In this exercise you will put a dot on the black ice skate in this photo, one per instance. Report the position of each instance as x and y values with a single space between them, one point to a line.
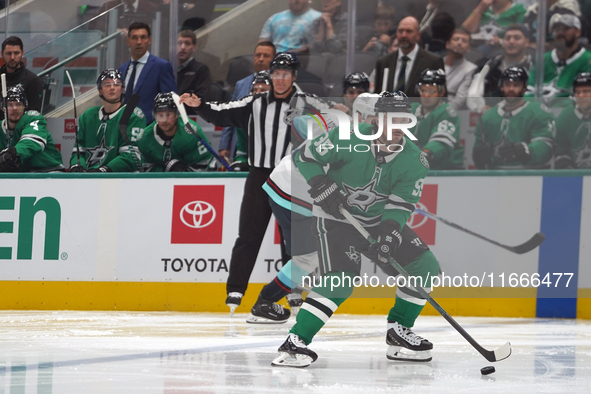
267 312
294 353
405 345
233 301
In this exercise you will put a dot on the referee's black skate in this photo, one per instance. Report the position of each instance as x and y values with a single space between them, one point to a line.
267 312
405 345
294 353
233 301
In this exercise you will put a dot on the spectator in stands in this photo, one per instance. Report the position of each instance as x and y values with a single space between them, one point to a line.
288 30
101 146
565 61
516 133
17 73
442 27
515 44
573 127
438 124
490 18
453 8
384 28
555 7
458 70
25 142
328 33
191 74
405 66
264 52
131 11
145 74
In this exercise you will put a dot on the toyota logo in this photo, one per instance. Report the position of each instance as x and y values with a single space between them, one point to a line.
416 219
197 214
70 125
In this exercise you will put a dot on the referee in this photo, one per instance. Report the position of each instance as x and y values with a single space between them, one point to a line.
268 141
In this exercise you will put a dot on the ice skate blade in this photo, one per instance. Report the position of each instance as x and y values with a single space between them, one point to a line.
252 319
396 353
232 308
294 361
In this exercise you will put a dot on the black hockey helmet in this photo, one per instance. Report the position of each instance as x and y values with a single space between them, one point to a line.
393 102
356 80
285 61
432 77
262 77
164 102
17 93
113 74
514 73
582 79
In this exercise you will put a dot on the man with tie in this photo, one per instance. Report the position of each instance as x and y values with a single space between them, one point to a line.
401 69
145 74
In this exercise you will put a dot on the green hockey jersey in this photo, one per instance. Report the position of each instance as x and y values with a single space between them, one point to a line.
183 147
378 187
558 79
573 136
530 123
241 146
101 142
439 132
33 144
494 25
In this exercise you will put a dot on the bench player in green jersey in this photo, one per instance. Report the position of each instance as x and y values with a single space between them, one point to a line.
379 183
515 133
167 147
25 142
573 127
102 146
438 124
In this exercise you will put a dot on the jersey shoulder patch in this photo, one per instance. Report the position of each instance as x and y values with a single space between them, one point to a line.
451 111
424 160
138 112
33 113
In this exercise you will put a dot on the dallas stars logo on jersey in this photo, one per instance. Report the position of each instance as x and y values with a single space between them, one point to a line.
365 196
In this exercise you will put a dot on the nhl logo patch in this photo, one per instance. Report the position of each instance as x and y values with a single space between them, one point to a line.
424 160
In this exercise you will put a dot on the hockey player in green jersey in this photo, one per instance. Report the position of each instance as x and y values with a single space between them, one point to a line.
573 128
438 124
25 141
101 147
516 133
565 61
165 145
378 181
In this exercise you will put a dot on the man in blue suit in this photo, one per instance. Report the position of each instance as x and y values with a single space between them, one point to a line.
145 74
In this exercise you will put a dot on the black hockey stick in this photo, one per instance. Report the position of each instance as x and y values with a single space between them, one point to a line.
189 129
75 118
525 247
491 355
124 121
5 109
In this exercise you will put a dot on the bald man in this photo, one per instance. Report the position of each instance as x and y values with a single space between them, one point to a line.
406 64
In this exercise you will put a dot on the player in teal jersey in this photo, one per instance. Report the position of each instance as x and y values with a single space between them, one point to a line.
25 141
101 145
573 128
167 147
516 133
438 124
379 183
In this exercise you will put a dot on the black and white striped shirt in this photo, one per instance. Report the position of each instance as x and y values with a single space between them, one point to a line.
262 116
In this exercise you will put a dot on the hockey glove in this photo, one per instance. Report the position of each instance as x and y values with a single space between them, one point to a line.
328 195
563 162
482 155
239 166
100 169
515 152
9 160
77 168
389 239
175 165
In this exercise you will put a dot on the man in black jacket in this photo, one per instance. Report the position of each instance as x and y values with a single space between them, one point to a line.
191 74
17 73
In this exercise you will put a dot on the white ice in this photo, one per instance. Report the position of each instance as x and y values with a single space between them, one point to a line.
133 352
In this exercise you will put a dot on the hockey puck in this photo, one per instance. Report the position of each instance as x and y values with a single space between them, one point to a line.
487 370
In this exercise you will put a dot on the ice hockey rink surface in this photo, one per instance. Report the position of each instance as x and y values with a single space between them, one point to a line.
167 352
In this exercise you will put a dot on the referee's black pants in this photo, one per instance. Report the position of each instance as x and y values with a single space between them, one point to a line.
255 213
